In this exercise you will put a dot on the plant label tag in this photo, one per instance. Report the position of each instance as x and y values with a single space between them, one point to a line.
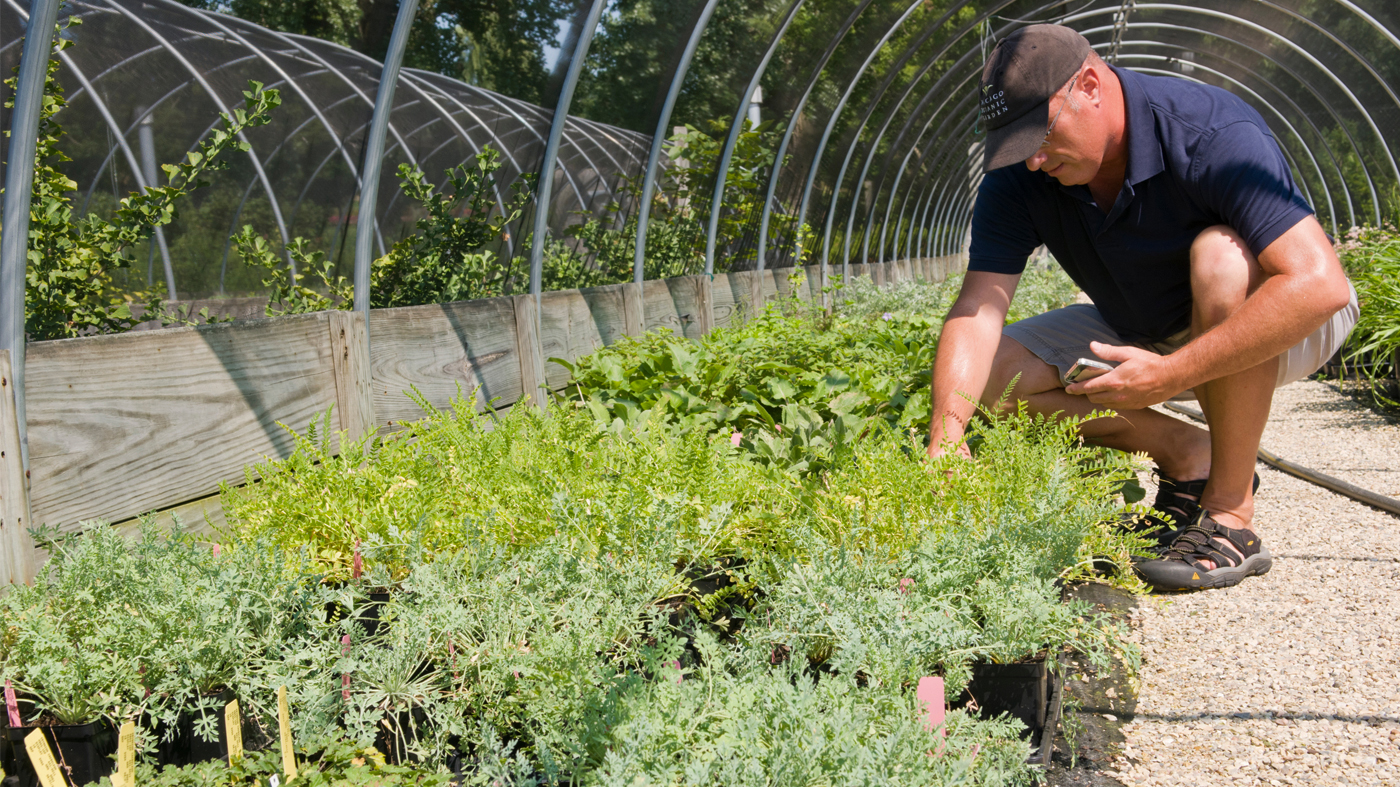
284 722
12 705
930 693
126 756
233 725
41 757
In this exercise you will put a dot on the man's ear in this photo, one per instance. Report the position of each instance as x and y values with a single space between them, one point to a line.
1090 84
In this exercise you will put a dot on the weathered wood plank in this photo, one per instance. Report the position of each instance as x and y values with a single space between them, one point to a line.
350 359
574 323
203 517
529 350
124 424
705 296
632 309
18 561
441 349
673 303
735 299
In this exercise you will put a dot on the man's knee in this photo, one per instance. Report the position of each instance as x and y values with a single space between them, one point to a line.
1223 273
1014 362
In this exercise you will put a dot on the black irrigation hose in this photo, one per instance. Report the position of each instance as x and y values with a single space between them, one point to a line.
1337 485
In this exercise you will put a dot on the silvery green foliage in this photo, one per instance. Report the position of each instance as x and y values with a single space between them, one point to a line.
735 722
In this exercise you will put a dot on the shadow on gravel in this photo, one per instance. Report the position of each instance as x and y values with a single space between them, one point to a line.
1104 705
1338 557
1271 716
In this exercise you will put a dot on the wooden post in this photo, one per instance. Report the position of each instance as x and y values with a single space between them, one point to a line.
756 291
527 347
17 558
350 358
633 313
877 272
705 288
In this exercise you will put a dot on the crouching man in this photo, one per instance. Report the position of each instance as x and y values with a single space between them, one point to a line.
1170 204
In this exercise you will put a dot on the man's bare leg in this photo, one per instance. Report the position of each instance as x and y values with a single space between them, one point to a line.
1223 274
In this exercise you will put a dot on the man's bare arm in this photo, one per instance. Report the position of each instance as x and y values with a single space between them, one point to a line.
965 352
1305 286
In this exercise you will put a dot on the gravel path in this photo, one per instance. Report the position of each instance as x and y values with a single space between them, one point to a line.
1294 677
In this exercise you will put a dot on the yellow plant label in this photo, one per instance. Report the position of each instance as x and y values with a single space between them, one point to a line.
41 757
126 756
284 721
233 725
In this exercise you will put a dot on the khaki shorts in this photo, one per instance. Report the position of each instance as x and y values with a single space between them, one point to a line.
1062 336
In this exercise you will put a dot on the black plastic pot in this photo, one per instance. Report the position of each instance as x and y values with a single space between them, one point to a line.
84 753
366 611
1023 689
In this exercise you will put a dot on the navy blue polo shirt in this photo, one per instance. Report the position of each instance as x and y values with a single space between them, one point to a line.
1197 156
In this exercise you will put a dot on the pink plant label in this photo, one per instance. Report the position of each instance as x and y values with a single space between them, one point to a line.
930 693
12 705
345 676
217 549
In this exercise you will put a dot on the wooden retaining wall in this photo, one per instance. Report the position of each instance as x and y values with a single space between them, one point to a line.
155 421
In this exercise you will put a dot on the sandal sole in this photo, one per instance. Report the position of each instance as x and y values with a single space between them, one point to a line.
1256 565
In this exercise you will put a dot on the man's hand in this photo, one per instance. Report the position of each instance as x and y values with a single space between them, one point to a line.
1141 380
960 449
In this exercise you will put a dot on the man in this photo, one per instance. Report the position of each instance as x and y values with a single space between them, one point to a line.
1170 204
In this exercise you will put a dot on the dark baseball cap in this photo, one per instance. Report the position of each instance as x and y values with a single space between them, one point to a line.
1024 71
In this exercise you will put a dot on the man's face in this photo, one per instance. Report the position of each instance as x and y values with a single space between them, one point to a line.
1073 151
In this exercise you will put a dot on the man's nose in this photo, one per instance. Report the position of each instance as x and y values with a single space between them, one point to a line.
1037 160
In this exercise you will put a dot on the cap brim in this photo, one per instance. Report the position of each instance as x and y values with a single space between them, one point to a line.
1018 140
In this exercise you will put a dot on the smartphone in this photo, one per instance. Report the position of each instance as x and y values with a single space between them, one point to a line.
1085 369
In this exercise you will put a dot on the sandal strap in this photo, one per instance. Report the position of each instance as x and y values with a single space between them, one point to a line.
1197 542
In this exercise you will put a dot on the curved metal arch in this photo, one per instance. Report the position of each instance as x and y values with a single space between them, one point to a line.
736 127
945 159
889 205
792 125
131 162
277 68
1395 169
815 164
942 84
923 71
551 149
914 115
659 138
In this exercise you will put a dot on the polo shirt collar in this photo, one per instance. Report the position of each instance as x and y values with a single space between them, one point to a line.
1144 149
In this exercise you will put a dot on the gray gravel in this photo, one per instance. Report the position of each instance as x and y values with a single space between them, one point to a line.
1294 677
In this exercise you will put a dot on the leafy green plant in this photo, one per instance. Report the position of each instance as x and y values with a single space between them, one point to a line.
1371 257
69 287
450 257
289 293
